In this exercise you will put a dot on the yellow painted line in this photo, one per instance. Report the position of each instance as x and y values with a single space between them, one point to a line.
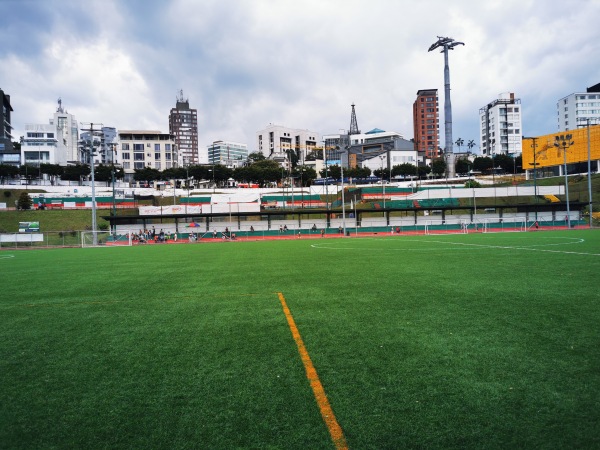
337 435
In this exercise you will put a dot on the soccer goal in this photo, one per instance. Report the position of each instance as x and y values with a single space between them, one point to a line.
104 239
439 227
505 225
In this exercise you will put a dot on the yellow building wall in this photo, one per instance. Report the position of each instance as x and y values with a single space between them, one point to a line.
547 155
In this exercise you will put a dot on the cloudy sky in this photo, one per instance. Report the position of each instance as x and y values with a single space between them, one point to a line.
299 63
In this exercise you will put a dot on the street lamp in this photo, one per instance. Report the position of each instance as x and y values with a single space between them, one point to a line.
88 147
564 142
382 181
534 139
589 161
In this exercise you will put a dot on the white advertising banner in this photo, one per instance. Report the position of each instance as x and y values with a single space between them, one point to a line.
169 209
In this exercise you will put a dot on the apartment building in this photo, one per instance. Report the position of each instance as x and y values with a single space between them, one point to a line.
426 122
139 149
500 130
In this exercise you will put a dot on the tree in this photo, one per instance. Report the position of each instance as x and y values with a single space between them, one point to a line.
472 184
384 173
76 172
404 170
483 164
105 173
52 170
462 166
332 172
423 171
305 174
146 174
262 172
505 162
459 143
25 201
438 167
255 157
7 171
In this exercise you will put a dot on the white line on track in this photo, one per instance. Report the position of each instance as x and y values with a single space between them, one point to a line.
6 256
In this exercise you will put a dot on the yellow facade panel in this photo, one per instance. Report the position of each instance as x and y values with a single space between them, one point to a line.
547 155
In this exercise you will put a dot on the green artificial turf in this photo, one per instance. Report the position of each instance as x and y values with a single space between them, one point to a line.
456 341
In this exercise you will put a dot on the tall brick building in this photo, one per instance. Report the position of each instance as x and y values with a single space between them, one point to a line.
426 122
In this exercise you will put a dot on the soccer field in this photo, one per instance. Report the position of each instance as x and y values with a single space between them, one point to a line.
449 341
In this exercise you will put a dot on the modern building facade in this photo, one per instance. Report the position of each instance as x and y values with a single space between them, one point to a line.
500 126
227 153
371 141
550 160
7 153
576 109
183 125
106 146
139 149
426 122
390 147
54 143
278 142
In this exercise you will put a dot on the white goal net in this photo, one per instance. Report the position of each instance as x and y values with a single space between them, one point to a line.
439 227
504 225
104 239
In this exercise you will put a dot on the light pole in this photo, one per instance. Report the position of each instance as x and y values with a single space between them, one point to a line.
564 142
343 202
534 139
446 43
90 148
589 162
382 182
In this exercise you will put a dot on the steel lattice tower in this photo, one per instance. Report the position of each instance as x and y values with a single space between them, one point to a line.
353 124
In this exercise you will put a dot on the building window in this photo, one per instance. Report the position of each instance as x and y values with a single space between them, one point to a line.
124 146
126 155
138 156
157 165
168 147
138 147
126 165
157 147
138 165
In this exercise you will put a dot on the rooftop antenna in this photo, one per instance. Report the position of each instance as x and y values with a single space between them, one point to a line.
180 96
60 108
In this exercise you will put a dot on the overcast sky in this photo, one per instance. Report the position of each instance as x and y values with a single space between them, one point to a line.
301 63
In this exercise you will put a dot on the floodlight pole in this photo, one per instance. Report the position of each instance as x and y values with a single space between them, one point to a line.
91 154
446 44
534 139
589 162
343 201
564 142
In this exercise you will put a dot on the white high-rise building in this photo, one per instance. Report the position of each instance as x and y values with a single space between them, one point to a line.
576 109
53 143
275 142
500 124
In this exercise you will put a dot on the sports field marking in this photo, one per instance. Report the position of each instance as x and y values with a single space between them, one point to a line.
335 431
468 246
6 256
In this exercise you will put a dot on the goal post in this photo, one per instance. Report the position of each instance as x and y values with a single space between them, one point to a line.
505 225
105 239
440 227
